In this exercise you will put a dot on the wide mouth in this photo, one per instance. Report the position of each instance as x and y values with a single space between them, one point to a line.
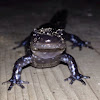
48 47
47 50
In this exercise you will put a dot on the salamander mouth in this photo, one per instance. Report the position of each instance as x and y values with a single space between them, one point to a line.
48 46
47 50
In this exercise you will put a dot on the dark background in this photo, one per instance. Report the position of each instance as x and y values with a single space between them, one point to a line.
71 5
63 2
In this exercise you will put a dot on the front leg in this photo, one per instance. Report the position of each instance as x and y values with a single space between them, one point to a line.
75 75
16 75
76 41
25 43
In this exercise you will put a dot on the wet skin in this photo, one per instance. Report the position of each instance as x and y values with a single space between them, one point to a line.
45 48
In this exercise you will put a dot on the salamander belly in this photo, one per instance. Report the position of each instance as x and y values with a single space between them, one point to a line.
38 62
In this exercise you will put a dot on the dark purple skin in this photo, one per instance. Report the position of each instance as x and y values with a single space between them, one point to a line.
45 48
45 51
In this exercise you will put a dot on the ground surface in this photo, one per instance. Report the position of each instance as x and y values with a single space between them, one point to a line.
16 22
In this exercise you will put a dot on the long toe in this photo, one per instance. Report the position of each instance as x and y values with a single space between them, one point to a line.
86 77
21 86
25 82
82 82
11 85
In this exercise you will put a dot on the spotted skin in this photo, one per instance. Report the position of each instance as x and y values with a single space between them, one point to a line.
45 48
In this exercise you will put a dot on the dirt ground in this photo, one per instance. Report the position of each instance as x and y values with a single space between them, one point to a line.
18 20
